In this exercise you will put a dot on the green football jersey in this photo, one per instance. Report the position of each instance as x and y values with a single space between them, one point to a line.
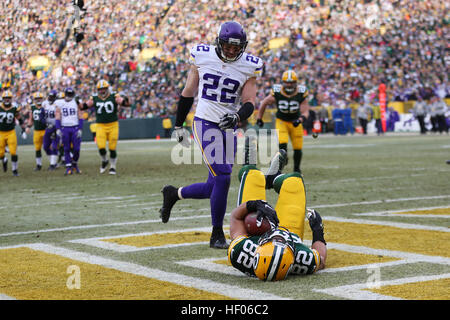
288 108
7 117
35 113
241 254
106 109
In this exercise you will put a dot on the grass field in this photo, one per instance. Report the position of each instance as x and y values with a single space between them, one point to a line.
385 202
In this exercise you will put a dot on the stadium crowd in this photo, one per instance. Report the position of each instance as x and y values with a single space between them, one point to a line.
340 49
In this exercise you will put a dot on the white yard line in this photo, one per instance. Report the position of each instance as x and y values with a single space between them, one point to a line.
360 291
408 226
99 243
394 213
179 279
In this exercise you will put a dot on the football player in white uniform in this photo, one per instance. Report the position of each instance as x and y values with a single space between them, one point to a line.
69 126
51 140
224 76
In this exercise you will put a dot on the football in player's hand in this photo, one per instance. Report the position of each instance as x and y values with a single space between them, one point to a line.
253 227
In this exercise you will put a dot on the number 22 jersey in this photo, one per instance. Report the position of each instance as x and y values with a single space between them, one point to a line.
220 83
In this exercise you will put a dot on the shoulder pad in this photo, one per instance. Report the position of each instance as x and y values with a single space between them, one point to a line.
302 89
197 50
276 88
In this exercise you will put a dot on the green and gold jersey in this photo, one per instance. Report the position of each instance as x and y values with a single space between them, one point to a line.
36 114
288 107
106 109
241 254
7 117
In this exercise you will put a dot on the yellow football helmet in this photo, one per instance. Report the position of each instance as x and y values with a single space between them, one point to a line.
274 256
289 79
38 98
7 97
103 88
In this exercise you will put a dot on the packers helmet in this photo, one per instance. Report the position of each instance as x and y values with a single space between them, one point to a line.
103 88
38 98
274 255
7 97
289 79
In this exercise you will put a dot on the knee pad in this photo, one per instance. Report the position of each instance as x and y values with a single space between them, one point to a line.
102 152
252 186
14 158
112 154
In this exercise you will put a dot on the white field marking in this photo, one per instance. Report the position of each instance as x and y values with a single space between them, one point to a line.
378 202
359 291
99 243
6 297
400 225
206 209
404 258
393 213
115 224
352 180
407 256
178 279
69 200
340 146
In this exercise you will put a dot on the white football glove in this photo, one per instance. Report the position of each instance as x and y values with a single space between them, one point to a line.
24 135
183 136
79 134
58 133
228 121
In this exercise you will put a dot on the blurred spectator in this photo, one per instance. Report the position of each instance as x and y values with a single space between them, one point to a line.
330 44
392 118
441 110
364 113
420 112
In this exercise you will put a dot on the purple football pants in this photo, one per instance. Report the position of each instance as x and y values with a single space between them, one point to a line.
218 150
69 138
51 141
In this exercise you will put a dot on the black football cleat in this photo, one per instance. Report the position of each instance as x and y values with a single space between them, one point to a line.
217 240
15 173
5 164
38 168
170 197
218 243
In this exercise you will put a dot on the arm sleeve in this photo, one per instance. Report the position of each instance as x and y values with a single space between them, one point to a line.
184 106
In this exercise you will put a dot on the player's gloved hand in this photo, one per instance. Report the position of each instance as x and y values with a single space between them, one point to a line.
183 136
296 122
260 123
315 220
59 133
263 210
79 134
316 225
228 121
24 134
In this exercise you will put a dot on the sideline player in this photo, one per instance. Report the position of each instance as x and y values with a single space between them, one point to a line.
9 112
39 127
69 126
106 105
224 76
292 112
